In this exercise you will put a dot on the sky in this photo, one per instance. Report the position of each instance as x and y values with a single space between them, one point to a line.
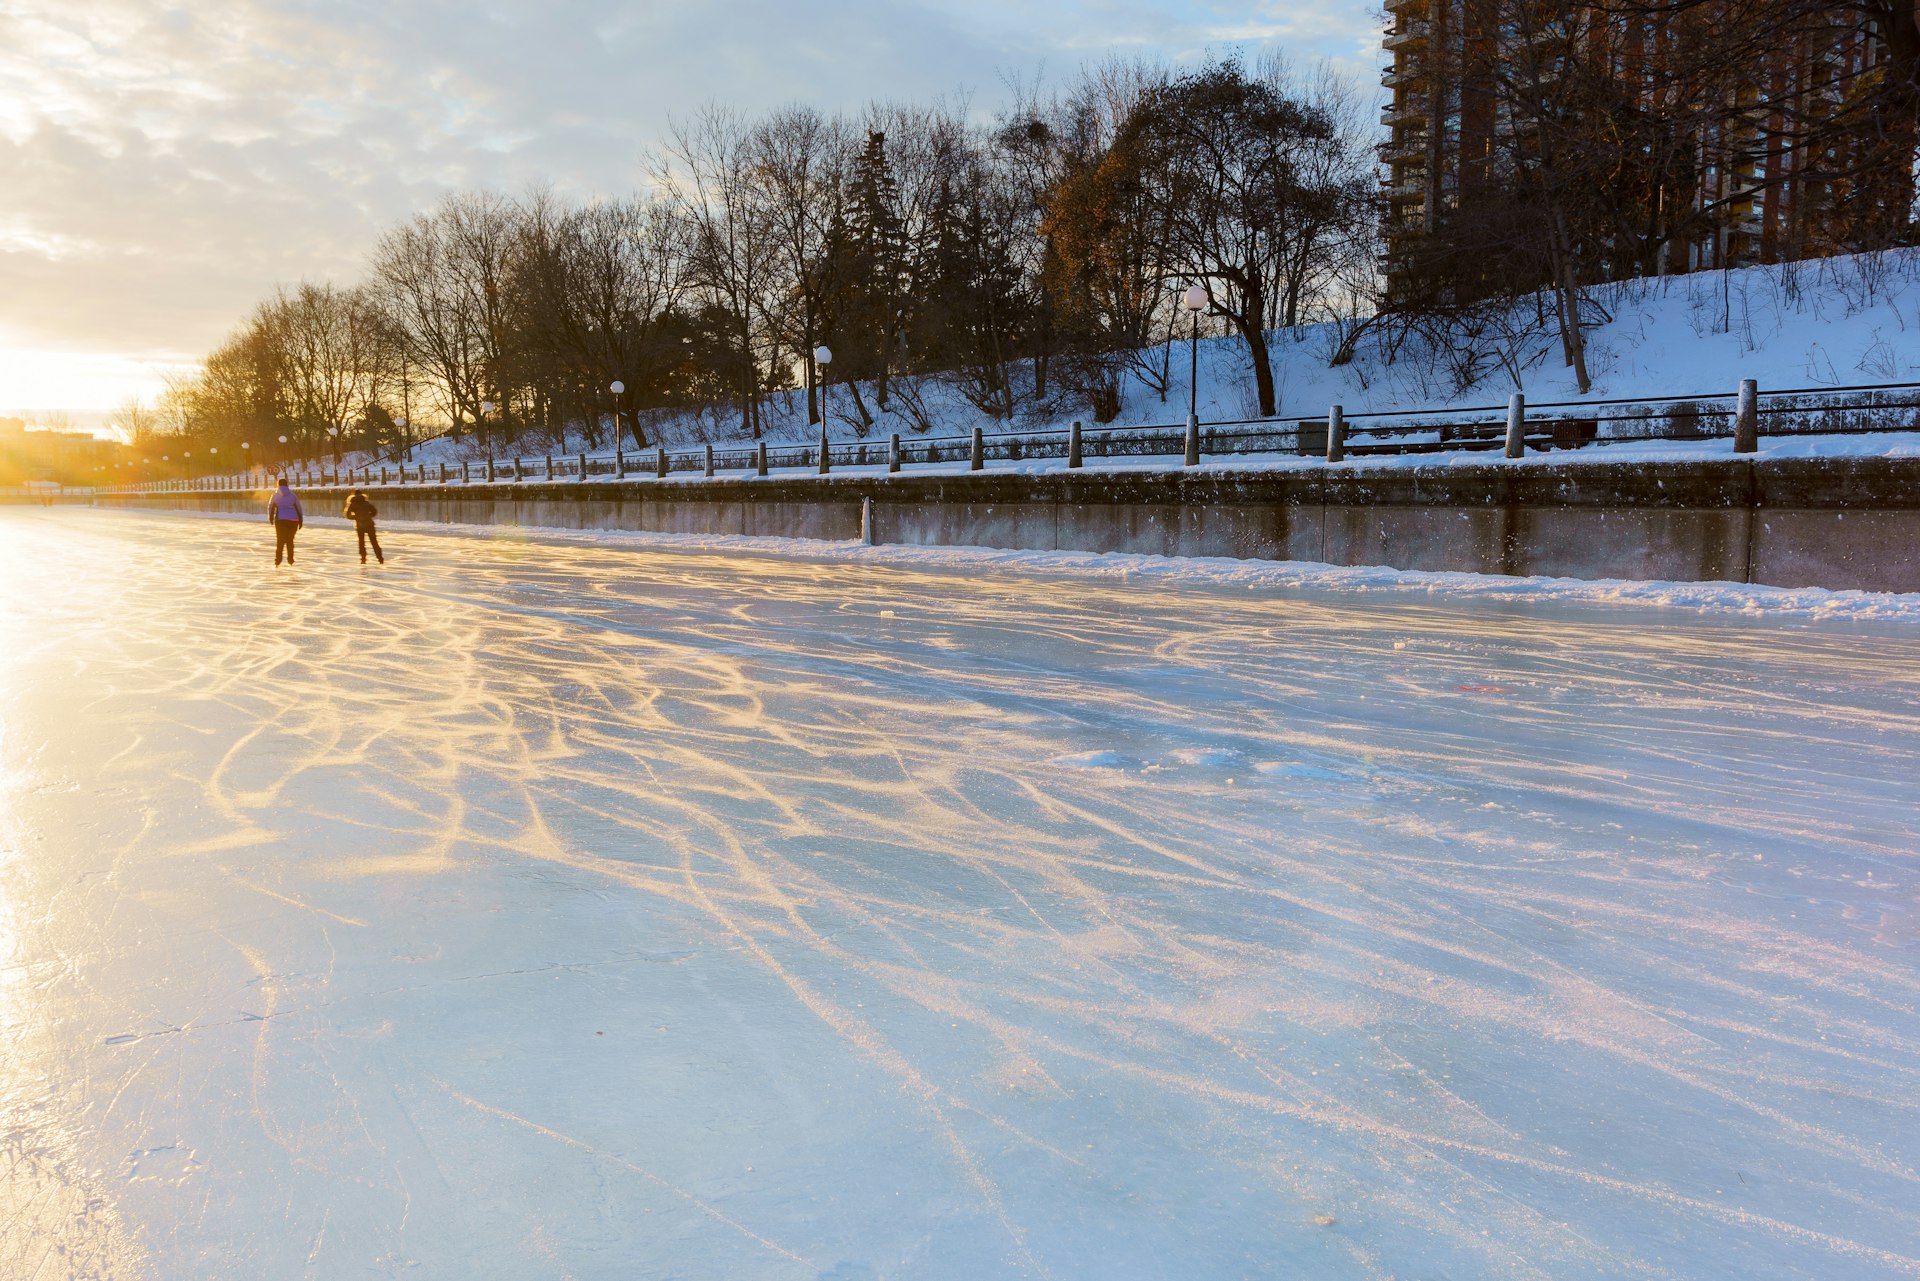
164 166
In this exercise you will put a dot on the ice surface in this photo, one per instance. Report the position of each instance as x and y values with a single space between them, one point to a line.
545 908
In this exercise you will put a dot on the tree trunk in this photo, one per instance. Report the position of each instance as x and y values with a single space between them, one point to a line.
1042 349
1003 380
1256 336
1572 338
853 389
809 369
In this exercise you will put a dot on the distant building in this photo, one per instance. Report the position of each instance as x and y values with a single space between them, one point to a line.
65 457
1757 192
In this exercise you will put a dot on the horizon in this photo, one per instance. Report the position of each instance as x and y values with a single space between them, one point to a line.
176 168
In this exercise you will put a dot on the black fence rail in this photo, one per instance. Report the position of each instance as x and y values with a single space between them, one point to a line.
1741 417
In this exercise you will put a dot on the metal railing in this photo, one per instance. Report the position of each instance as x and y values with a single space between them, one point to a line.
1515 427
47 493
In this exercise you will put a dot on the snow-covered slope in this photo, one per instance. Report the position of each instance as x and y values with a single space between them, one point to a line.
1827 323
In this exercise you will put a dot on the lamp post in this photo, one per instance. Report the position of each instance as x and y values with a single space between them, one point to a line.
406 450
823 357
486 434
1195 301
618 389
283 453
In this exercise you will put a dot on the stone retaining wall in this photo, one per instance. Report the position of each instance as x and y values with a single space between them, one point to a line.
1840 523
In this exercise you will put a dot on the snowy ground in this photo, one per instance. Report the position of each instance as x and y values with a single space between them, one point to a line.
543 908
1824 323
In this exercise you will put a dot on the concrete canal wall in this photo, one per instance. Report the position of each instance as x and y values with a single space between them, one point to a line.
1827 522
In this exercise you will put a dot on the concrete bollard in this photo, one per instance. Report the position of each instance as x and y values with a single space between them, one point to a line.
1746 418
549 466
660 462
466 473
1336 433
1073 445
1191 456
580 461
825 452
619 462
760 458
979 458
893 452
709 459
1516 425
866 521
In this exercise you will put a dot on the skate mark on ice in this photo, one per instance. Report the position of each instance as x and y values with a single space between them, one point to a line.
705 1207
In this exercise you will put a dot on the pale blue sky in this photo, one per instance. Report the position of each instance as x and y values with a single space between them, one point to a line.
164 165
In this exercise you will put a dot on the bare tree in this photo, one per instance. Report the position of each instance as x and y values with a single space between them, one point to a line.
337 352
1244 183
416 276
799 176
709 170
142 423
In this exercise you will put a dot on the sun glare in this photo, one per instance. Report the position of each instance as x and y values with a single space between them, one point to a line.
87 386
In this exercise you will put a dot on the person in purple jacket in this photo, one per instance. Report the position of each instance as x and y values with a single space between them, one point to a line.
283 512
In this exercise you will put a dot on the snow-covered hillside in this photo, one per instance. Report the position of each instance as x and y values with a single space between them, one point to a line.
1826 323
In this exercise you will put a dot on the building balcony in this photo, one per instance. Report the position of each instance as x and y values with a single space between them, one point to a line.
1405 193
1410 110
1408 148
1414 34
1406 6
1395 76
1404 229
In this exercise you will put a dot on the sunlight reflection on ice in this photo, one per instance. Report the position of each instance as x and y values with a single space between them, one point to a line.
549 908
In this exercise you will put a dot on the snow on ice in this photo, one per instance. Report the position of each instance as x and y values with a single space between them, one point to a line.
615 908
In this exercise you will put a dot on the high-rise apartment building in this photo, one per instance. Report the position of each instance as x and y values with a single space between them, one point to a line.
1720 164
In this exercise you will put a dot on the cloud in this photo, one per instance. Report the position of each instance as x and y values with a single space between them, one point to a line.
167 163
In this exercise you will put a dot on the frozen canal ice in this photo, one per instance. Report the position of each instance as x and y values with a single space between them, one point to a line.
541 909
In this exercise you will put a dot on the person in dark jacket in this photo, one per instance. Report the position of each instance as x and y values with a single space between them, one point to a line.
361 511
284 514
